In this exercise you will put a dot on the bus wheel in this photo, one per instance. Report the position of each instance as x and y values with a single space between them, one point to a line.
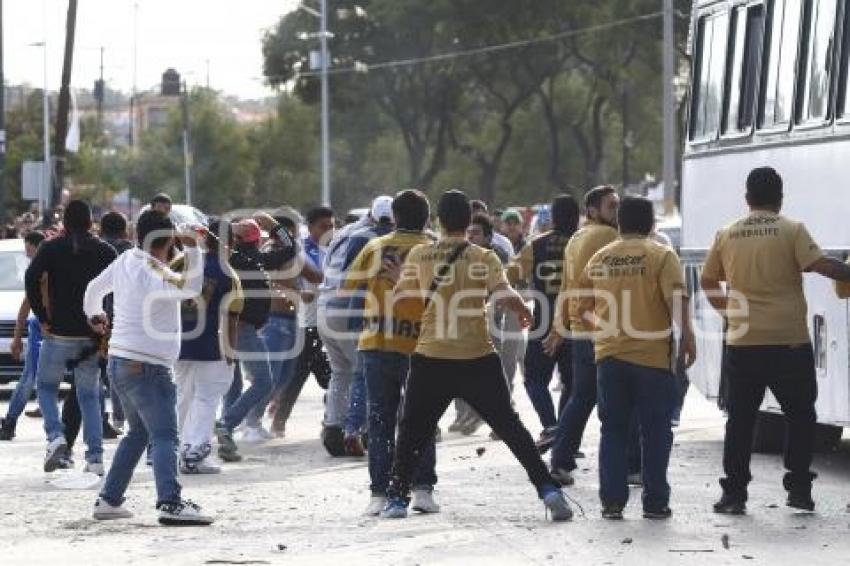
769 436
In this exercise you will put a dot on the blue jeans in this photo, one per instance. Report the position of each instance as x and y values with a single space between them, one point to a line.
281 336
573 418
235 390
626 389
386 375
149 398
52 364
355 419
26 383
538 371
249 341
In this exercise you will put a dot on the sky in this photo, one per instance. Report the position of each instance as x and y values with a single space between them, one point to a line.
183 34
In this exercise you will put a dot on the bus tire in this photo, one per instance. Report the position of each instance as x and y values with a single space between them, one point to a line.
827 437
769 435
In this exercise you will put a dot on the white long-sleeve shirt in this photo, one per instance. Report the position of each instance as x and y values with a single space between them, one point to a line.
146 312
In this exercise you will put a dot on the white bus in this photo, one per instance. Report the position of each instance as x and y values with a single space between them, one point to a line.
770 87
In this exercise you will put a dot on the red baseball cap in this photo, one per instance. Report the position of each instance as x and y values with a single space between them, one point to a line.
248 230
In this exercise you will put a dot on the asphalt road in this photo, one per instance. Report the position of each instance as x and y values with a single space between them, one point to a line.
290 503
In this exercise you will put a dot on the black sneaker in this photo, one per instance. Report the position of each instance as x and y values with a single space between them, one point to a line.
333 439
612 511
664 513
546 440
7 429
801 500
227 449
56 457
183 514
110 432
730 505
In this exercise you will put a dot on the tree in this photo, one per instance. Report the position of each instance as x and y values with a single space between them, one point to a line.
223 160
25 137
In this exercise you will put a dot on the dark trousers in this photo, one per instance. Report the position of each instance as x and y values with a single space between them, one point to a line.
386 374
312 359
72 419
538 370
789 373
573 418
629 392
431 386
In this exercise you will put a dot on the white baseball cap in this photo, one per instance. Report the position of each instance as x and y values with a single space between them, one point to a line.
382 207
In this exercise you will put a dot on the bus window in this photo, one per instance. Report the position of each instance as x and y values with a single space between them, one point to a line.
816 79
712 37
778 94
744 68
843 109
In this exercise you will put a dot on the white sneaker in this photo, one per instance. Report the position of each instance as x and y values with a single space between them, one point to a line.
103 511
57 450
184 513
265 433
94 468
423 501
377 504
253 435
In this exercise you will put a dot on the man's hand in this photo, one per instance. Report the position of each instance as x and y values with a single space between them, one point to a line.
515 304
17 347
188 238
265 221
45 328
553 343
99 324
688 350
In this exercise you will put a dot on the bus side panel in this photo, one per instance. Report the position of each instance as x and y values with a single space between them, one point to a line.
815 178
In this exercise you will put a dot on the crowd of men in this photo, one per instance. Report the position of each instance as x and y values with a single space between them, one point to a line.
197 332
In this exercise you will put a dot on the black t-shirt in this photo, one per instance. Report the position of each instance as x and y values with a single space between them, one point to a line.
70 262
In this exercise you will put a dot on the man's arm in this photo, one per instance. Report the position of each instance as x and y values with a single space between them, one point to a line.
714 293
275 258
682 319
17 346
312 273
511 300
831 268
193 269
97 290
32 283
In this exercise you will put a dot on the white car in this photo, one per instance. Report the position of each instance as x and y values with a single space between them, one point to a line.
13 265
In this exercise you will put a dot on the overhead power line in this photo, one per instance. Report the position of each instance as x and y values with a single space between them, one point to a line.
364 67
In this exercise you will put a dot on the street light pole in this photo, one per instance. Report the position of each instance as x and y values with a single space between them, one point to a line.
2 120
669 173
326 134
47 180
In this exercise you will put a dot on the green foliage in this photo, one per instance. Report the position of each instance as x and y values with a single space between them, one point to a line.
514 126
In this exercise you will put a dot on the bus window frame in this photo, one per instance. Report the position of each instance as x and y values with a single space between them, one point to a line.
841 116
782 128
723 10
745 7
803 68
